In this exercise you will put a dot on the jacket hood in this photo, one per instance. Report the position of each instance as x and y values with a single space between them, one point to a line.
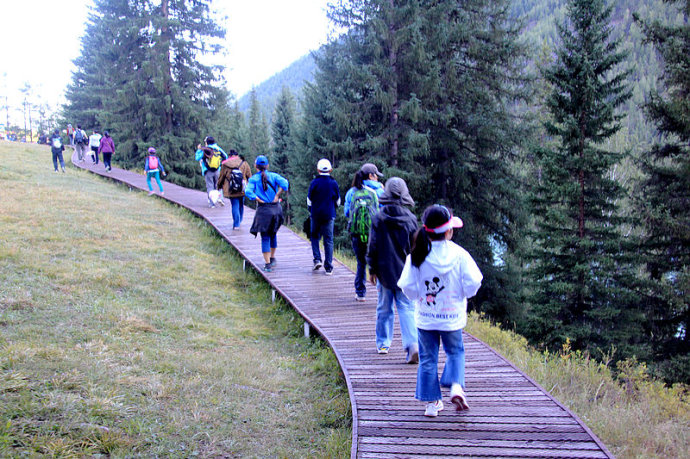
444 256
394 213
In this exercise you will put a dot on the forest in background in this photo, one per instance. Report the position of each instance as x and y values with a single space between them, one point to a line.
561 149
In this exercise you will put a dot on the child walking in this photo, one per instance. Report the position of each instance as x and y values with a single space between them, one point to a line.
440 276
153 168
265 187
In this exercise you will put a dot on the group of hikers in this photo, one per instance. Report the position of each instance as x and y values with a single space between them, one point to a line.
97 143
419 270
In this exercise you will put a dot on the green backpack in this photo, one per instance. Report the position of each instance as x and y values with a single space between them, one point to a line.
363 206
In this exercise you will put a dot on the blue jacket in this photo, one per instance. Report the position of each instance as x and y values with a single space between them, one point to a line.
256 190
146 165
200 154
376 186
323 197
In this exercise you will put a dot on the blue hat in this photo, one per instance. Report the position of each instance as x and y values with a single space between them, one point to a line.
261 160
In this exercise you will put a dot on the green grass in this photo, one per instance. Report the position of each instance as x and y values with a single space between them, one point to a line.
128 328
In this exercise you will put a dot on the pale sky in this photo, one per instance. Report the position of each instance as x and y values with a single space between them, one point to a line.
40 38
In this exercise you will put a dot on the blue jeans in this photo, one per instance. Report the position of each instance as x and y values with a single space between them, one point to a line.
154 174
237 211
268 242
360 249
385 317
325 230
428 387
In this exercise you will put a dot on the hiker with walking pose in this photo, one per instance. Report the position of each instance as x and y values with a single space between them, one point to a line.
265 187
233 177
56 148
94 143
322 199
439 276
210 158
389 243
154 168
107 147
363 195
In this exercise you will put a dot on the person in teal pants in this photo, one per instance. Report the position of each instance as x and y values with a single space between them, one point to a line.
154 168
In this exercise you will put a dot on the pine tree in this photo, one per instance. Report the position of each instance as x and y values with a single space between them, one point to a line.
258 139
582 267
283 135
663 203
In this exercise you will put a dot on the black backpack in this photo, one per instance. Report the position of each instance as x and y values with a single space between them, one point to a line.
79 137
236 180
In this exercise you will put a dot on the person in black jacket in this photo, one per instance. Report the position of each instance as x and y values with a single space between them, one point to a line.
322 199
392 230
56 148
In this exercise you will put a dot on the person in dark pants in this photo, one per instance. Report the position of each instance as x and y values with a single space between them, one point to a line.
56 148
322 199
107 147
366 179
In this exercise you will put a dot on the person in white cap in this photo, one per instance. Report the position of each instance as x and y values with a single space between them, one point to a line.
323 198
439 276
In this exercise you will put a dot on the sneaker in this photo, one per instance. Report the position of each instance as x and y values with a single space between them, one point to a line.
317 265
329 272
383 350
211 206
221 202
56 170
162 193
273 262
432 408
360 299
236 228
413 354
268 268
63 170
150 193
458 397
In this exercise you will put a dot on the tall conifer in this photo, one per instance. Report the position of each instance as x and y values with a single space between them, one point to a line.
663 203
581 264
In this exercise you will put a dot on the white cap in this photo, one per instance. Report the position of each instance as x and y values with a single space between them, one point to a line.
324 165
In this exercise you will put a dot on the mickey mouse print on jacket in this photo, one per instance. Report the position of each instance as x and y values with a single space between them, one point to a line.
441 285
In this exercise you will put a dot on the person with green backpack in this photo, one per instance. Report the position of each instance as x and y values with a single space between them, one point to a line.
361 203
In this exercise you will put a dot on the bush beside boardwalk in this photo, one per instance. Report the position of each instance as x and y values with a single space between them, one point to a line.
128 328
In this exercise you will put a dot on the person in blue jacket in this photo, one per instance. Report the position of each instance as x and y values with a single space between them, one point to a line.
210 176
153 168
367 177
265 187
322 199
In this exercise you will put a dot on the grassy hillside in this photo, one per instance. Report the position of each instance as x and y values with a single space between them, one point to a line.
127 327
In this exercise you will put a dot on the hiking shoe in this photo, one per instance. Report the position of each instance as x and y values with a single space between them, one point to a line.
268 268
360 299
329 272
458 397
432 408
317 265
273 262
413 354
383 350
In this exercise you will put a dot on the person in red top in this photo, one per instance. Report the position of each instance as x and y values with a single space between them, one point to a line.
107 147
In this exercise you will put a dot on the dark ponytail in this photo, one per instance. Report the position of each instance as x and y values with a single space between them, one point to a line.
358 181
421 245
264 177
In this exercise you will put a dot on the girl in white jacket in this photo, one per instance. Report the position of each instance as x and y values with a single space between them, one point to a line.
439 276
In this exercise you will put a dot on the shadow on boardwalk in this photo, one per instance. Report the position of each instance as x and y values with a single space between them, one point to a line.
510 415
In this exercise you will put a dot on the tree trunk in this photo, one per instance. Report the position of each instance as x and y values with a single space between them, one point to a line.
393 62
167 77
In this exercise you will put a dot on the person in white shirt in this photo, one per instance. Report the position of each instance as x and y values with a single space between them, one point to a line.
94 143
439 276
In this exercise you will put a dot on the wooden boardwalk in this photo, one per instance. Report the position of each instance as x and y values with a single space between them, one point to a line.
510 415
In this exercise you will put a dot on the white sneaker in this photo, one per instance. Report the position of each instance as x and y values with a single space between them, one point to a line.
432 408
360 299
458 397
221 202
317 265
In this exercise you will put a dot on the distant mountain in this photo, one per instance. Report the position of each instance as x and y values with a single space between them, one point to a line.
294 77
